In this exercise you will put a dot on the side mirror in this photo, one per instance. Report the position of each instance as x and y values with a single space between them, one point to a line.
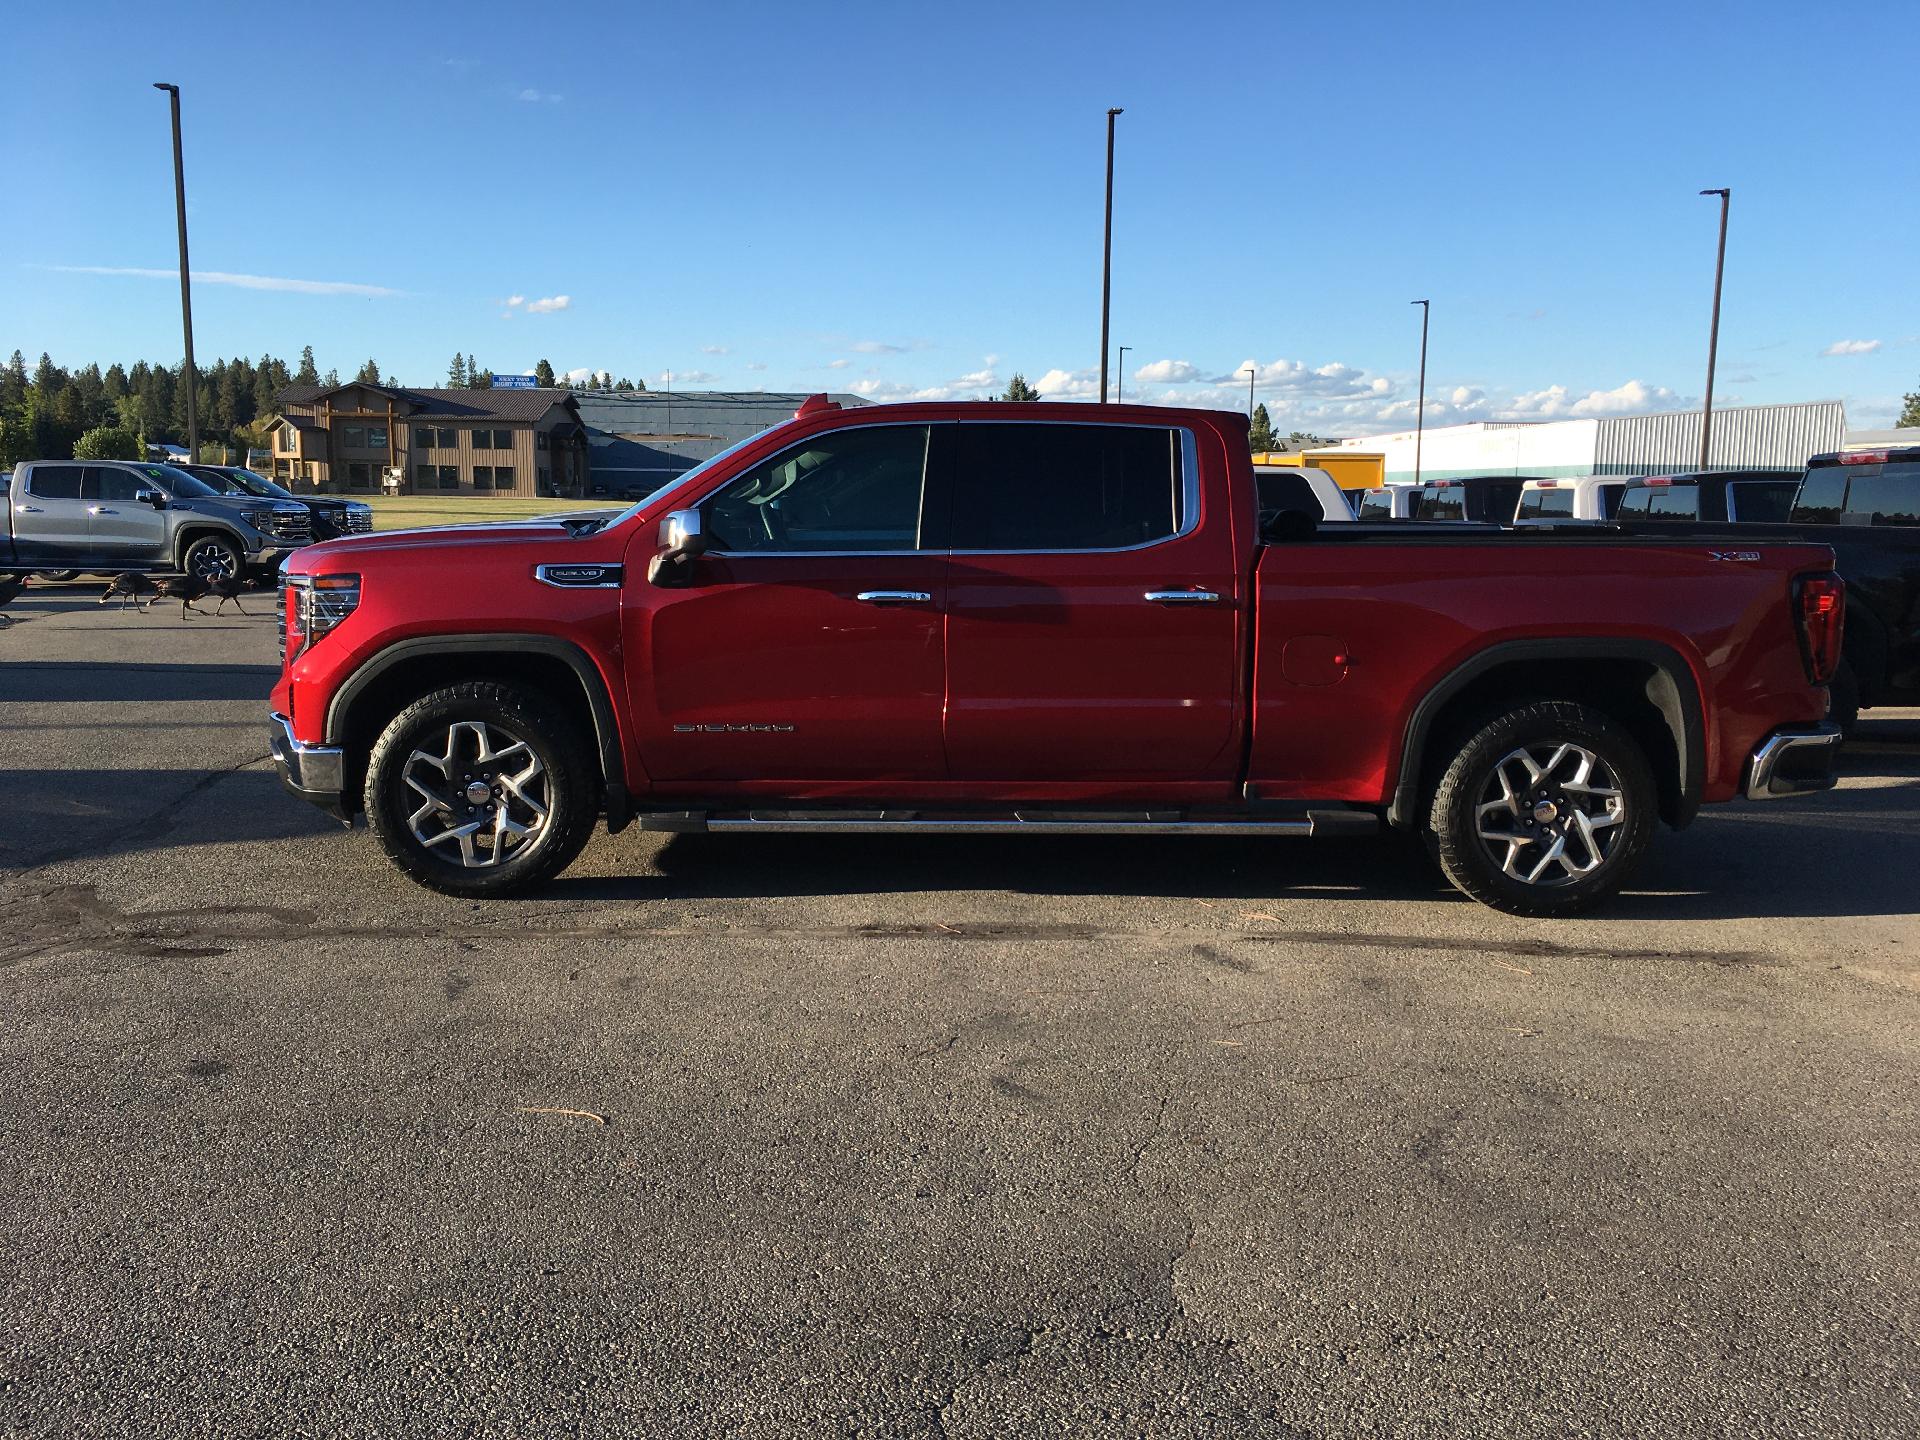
682 539
155 498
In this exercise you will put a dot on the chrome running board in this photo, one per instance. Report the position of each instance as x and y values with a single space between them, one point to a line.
1019 822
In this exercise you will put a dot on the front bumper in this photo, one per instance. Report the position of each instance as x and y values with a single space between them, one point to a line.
1797 760
316 773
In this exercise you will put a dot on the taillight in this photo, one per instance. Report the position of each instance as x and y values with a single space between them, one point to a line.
1820 608
316 604
1864 457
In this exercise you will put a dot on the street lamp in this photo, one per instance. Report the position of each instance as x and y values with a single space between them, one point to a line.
1120 376
1250 373
186 287
1713 337
1420 412
1106 260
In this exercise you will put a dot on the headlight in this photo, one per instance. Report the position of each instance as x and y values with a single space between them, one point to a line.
316 604
261 520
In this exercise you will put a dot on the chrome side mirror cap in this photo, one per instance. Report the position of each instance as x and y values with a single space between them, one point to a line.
682 533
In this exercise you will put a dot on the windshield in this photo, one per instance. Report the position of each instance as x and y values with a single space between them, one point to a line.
699 470
220 482
255 484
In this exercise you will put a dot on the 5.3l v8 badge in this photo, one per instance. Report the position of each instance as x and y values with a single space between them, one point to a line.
733 729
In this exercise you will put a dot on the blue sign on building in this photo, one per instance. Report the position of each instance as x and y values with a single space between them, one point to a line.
513 382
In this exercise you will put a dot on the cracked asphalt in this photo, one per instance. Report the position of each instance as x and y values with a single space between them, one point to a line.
769 1136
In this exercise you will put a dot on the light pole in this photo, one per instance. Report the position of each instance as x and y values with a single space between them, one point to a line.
1250 373
1120 376
1713 336
1106 260
1420 410
186 286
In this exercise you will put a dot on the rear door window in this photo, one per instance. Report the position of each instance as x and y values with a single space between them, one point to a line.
1660 502
1441 503
55 482
1053 487
1883 495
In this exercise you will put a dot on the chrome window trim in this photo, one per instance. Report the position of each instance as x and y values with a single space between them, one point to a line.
1189 497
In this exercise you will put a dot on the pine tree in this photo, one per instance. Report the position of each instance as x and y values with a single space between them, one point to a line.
542 374
331 379
1260 436
307 374
1018 389
369 373
473 373
1909 414
457 372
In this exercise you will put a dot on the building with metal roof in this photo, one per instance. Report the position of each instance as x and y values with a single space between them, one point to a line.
638 440
1745 437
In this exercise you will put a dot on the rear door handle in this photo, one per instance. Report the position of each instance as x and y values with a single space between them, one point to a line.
893 597
100 510
1183 597
29 510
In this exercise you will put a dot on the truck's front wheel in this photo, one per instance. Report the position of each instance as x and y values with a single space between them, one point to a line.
481 789
1544 810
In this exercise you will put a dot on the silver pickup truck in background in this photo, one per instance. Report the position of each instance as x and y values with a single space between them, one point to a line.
101 516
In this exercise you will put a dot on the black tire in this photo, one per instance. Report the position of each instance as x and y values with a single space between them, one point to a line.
56 576
568 770
1843 698
1496 871
214 557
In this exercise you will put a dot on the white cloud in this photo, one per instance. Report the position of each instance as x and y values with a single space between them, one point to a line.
513 300
684 377
878 347
756 364
1068 385
580 376
540 97
1167 372
1852 347
549 305
244 282
986 379
713 350
838 364
1557 401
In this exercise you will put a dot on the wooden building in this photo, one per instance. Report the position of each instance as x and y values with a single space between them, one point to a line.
361 438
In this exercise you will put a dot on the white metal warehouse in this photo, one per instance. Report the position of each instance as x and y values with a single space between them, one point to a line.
1746 437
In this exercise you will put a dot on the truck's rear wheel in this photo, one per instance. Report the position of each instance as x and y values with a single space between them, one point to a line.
481 789
1544 810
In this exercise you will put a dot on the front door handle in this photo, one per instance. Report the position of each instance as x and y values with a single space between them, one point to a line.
893 597
100 510
1183 597
28 510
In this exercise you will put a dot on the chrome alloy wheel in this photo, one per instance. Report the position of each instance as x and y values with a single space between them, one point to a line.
1550 814
485 794
214 562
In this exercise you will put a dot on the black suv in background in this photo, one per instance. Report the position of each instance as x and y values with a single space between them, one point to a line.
332 517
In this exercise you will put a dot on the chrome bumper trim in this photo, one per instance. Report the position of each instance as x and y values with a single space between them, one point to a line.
1798 761
316 773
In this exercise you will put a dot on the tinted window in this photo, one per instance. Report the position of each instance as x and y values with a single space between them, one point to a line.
110 485
216 480
1448 503
856 489
1537 503
1767 502
54 482
1883 495
1820 494
1376 505
1284 490
1065 487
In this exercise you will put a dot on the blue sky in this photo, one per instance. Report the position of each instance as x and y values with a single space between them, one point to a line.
898 199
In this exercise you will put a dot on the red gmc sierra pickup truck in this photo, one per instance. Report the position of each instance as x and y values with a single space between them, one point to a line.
1044 619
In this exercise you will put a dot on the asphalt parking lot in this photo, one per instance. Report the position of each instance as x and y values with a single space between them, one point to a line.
764 1136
